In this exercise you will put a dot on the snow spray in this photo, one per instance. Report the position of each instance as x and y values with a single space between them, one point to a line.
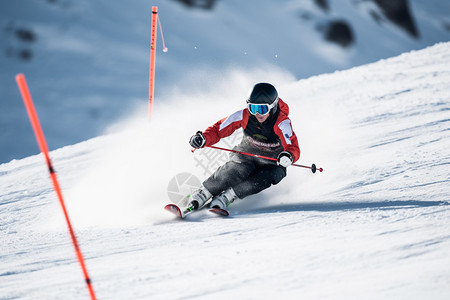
26 96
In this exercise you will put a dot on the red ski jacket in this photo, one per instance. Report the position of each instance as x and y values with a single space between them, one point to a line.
269 138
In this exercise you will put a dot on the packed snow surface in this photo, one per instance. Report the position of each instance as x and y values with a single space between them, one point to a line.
374 225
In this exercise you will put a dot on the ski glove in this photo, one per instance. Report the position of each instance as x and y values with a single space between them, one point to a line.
285 159
197 140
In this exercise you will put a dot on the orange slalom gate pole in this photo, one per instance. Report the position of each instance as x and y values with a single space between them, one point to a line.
26 96
151 86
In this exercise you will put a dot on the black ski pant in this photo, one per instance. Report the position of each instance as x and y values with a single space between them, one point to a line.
246 175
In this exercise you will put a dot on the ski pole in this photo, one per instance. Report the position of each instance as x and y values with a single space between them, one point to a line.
313 167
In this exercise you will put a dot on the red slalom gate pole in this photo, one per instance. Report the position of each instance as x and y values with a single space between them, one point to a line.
313 167
21 82
151 85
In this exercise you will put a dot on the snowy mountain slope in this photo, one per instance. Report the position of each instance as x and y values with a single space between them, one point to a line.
373 225
88 63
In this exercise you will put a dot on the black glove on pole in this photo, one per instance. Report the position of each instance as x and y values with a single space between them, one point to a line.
197 140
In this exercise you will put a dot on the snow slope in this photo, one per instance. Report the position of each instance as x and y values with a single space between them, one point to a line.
90 59
373 225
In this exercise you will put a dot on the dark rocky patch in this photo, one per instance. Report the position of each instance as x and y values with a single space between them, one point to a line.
398 12
339 32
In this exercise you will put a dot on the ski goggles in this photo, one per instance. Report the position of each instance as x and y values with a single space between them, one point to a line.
261 109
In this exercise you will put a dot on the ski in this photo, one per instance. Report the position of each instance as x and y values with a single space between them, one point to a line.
174 209
180 213
220 212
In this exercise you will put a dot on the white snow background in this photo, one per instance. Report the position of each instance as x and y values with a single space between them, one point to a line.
373 225
90 59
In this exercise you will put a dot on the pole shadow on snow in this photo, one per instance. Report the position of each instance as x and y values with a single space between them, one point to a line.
342 206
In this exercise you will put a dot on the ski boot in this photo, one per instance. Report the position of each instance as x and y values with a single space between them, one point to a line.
199 198
223 200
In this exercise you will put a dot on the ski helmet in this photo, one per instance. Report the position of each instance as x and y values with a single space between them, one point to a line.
263 93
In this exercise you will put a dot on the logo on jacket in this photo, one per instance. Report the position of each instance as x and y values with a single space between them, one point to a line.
262 145
259 136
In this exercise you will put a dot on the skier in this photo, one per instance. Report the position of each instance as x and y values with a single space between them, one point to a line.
267 132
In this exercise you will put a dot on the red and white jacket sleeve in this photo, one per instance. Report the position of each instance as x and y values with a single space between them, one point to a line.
225 127
288 137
